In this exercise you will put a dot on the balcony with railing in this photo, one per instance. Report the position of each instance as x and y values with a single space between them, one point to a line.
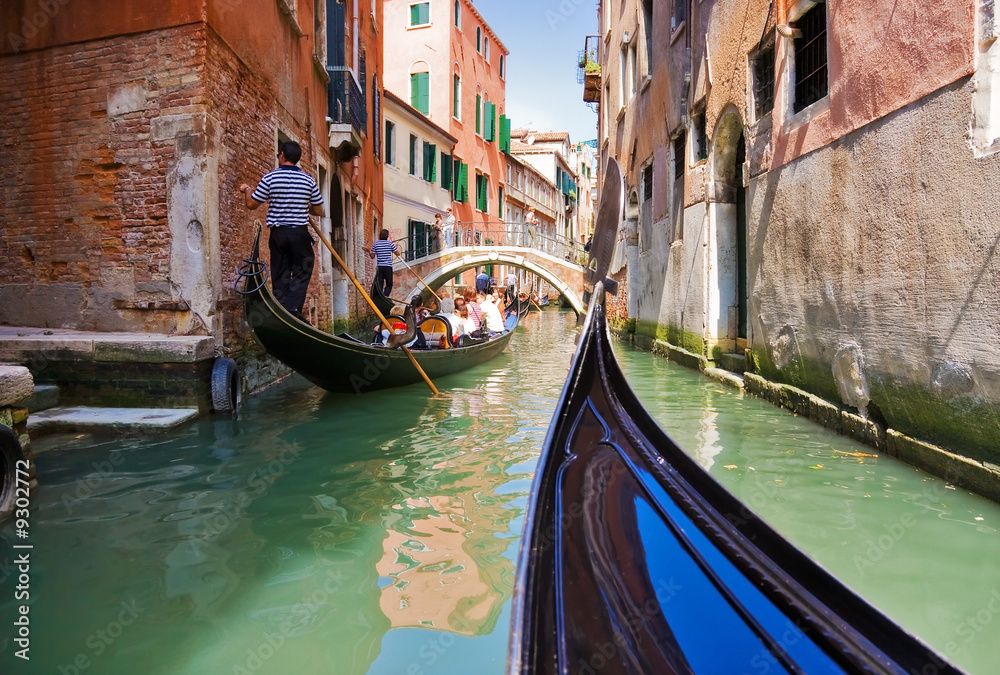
589 74
348 114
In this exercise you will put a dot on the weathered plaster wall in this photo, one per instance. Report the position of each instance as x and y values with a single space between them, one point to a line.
873 266
868 43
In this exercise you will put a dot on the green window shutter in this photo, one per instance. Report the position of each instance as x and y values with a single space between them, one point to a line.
420 92
390 142
493 121
432 156
461 181
504 134
413 155
479 114
426 163
500 201
446 169
482 193
420 14
488 110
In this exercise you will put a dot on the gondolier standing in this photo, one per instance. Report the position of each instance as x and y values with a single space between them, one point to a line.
292 195
382 251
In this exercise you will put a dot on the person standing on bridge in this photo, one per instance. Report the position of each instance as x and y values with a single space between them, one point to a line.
532 221
293 196
448 229
382 251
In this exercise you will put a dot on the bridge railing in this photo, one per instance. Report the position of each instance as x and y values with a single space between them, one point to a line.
420 244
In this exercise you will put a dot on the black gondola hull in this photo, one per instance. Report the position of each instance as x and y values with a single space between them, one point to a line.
635 560
340 365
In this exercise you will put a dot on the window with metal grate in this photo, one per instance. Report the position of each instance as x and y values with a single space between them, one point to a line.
810 58
763 82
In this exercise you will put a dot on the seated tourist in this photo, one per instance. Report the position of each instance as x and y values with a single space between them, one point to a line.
447 305
459 320
475 312
419 311
494 319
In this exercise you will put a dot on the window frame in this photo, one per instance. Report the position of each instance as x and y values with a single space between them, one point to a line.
809 10
419 25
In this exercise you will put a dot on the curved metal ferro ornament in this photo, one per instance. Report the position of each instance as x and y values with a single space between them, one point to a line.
397 341
609 218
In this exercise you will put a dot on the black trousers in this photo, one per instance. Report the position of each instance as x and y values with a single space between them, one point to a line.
383 279
292 262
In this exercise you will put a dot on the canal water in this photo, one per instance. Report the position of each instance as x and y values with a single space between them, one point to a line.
322 533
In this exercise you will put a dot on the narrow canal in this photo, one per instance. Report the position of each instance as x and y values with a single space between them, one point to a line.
378 534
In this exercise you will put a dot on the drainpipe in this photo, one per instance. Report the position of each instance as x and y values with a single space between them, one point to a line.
782 20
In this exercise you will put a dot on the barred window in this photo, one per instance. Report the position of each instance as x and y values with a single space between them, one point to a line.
763 82
701 136
810 58
647 182
679 144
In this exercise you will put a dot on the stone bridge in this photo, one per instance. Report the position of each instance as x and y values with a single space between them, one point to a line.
435 269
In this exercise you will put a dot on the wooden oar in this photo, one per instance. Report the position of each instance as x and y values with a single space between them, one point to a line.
419 280
368 299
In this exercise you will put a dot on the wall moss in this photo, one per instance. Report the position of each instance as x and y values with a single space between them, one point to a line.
811 376
968 426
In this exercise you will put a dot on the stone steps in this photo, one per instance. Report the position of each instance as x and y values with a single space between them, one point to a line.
85 418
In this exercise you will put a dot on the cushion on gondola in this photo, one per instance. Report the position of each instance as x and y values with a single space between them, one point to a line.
434 328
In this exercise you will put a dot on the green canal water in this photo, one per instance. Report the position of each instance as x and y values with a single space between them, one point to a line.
320 533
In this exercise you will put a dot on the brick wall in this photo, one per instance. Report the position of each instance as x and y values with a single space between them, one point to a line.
83 212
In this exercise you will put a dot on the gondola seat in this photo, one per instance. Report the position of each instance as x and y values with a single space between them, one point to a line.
434 328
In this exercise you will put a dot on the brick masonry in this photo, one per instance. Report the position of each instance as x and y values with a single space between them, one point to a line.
88 160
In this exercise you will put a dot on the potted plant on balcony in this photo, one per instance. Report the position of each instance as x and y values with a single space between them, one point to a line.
591 81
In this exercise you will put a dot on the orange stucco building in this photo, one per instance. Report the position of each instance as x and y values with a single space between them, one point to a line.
449 64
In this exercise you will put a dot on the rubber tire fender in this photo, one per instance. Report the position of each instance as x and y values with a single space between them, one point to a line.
10 453
226 393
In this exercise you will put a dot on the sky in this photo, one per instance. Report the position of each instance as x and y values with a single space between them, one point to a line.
544 38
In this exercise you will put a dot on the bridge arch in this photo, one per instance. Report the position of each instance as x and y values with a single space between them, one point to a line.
451 266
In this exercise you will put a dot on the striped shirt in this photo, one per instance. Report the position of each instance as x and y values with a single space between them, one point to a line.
290 191
475 314
383 250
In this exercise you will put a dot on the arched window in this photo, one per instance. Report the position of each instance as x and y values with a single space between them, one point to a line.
479 39
420 87
458 14
456 93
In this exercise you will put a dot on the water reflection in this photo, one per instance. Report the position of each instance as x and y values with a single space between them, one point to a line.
376 535
306 536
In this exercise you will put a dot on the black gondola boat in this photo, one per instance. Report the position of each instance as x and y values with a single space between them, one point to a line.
635 560
342 363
